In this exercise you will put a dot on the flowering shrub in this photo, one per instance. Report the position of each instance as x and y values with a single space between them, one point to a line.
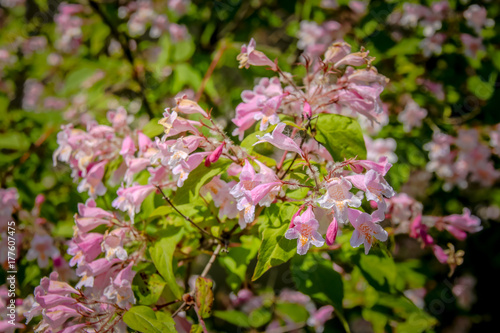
341 191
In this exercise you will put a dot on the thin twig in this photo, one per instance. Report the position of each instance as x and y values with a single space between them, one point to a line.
203 274
187 218
210 70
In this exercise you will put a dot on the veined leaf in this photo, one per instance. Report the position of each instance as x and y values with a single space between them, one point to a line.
341 136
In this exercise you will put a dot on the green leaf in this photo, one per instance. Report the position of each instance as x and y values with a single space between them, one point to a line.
378 270
259 317
162 254
314 276
196 329
197 178
341 136
154 289
161 211
234 317
143 319
275 249
204 296
294 311
152 128
237 259
183 50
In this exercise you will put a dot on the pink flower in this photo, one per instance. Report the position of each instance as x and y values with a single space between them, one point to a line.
476 17
130 199
184 167
84 247
176 125
319 317
280 140
305 231
128 146
362 98
187 106
365 229
112 244
339 197
381 148
92 182
249 56
472 45
433 45
221 197
259 104
120 289
42 248
412 116
460 225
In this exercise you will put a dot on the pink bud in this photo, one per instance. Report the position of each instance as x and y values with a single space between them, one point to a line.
331 233
39 200
292 224
307 113
214 157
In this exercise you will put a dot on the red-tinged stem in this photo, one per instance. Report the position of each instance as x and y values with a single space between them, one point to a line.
210 70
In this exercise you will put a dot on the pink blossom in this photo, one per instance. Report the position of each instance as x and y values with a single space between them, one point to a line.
188 106
472 45
176 125
314 38
365 229
178 32
280 140
362 98
184 167
260 104
339 197
130 199
249 56
305 231
412 116
92 182
84 247
319 317
42 248
120 289
112 244
459 225
381 147
128 147
382 166
221 196
476 17
433 45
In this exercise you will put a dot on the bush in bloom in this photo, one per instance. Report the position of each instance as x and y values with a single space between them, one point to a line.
327 196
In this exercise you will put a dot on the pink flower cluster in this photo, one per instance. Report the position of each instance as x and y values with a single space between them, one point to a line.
333 86
462 159
406 214
246 301
69 25
142 16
